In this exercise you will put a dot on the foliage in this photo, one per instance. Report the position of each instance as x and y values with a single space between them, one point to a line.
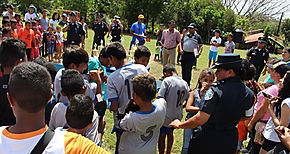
286 29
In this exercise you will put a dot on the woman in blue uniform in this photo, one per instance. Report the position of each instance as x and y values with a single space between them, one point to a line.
226 103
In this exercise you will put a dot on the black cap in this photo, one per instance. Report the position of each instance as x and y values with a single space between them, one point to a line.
73 13
192 25
10 6
282 69
228 61
262 40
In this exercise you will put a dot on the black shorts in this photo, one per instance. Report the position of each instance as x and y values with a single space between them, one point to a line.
269 145
101 107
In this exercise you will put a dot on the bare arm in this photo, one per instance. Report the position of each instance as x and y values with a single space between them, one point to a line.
259 114
198 120
190 104
284 116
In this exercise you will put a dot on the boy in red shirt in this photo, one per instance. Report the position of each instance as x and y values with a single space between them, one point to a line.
26 34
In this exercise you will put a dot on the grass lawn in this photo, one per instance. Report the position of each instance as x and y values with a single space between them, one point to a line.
156 70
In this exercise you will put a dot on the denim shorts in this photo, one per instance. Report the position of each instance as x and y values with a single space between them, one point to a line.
212 55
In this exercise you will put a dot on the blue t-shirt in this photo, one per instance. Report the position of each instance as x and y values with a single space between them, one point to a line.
138 29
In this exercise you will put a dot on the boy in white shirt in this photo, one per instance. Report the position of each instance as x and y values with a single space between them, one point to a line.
142 128
175 91
215 42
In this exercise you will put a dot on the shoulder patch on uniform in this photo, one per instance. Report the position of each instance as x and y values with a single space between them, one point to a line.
209 94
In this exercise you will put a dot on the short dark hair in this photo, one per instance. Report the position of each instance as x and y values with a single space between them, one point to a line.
80 112
6 30
117 50
71 82
5 21
11 51
104 53
27 22
144 85
48 65
74 55
142 51
169 68
30 86
17 15
171 21
217 31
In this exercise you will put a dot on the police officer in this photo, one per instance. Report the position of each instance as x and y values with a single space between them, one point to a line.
225 104
191 45
75 31
258 56
116 29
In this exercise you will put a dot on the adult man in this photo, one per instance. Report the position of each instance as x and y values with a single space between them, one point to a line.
192 48
30 133
10 13
44 22
222 110
100 28
258 56
170 39
75 31
138 31
12 52
115 29
63 21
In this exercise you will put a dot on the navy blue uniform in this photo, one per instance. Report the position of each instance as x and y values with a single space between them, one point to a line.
226 103
116 32
100 30
75 32
258 57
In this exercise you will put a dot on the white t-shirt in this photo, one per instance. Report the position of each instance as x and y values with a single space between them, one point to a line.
269 131
90 91
175 91
53 23
6 13
217 40
29 17
57 119
118 84
142 129
59 36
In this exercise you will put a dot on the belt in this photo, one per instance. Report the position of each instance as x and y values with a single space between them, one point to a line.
188 52
169 48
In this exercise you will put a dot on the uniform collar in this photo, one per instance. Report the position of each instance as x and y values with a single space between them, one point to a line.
235 79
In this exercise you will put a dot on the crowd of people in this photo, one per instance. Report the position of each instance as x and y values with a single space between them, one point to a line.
54 94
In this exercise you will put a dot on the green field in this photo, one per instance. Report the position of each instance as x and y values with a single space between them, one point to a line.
156 70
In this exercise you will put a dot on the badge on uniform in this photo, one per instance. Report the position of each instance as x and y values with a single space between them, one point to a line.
209 94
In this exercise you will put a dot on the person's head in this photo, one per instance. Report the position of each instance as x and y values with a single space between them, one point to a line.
142 55
28 25
117 54
116 19
31 9
144 88
17 16
6 32
217 33
72 83
171 24
73 16
6 23
29 89
271 61
13 23
82 19
79 113
280 70
227 66
64 17
161 26
206 76
12 52
100 17
76 58
284 93
58 29
191 28
50 29
104 57
249 70
262 42
44 13
230 37
141 18
286 54
169 70
55 16
33 23
48 65
10 8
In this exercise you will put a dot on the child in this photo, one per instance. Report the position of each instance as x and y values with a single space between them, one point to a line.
72 83
50 43
215 43
141 128
59 43
6 33
175 91
195 102
119 83
19 22
230 44
27 35
157 53
37 42
142 56
79 114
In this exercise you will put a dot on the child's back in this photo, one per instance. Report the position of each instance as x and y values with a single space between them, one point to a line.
141 130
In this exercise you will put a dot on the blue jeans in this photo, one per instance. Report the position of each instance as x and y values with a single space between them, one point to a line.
187 134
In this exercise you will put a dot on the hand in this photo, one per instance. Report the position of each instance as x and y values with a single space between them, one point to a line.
250 127
205 86
175 123
283 133
95 75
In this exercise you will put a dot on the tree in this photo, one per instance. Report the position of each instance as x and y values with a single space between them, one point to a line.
286 29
